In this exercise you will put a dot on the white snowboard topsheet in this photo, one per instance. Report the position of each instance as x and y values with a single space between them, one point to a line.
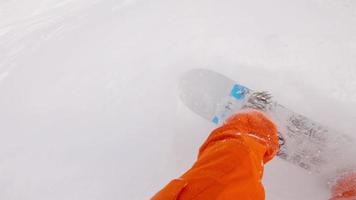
304 142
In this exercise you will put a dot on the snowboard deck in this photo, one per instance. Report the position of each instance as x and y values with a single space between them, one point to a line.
303 142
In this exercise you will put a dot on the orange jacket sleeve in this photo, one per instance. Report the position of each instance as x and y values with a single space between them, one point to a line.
229 166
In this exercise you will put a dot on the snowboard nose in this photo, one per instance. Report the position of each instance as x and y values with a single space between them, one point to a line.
210 94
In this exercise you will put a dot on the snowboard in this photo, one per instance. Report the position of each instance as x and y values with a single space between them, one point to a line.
303 141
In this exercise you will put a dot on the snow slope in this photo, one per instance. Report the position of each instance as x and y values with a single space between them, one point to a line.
88 100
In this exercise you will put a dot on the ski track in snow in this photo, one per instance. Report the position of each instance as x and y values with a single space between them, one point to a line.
88 100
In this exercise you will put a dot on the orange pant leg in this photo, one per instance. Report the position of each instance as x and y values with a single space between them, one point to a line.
229 165
345 187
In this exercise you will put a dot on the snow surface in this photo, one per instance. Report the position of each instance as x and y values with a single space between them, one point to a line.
88 99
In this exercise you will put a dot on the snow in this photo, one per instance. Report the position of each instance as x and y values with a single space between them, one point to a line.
88 89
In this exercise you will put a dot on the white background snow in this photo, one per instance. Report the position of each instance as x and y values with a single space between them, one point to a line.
89 107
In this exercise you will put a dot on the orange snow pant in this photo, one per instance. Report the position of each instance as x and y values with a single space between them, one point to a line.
345 187
230 162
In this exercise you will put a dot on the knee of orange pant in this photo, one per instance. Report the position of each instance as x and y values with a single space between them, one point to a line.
259 126
345 187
